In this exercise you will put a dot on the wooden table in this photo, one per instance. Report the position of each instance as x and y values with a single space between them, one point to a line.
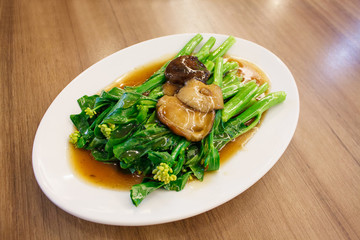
313 191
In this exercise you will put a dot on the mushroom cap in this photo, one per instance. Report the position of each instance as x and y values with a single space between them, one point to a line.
200 96
183 120
170 89
184 68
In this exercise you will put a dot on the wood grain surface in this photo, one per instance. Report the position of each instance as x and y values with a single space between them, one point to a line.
313 191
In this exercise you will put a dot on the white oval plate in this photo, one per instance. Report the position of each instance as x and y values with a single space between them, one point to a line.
57 180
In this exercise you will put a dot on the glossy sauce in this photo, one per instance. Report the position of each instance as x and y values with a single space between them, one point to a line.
249 71
99 173
111 175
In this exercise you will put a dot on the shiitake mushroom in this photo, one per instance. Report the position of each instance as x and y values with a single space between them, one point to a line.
183 120
188 107
184 68
200 96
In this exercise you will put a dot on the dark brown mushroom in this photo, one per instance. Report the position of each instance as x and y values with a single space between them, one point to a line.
184 68
183 120
200 96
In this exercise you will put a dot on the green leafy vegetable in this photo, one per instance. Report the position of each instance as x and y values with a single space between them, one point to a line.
139 191
121 125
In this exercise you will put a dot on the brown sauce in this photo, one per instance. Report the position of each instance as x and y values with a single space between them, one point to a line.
248 71
137 76
111 175
233 147
99 173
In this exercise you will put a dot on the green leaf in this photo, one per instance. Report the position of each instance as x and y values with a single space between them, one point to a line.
80 121
179 183
87 101
81 142
97 143
160 157
198 171
212 160
139 191
141 142
102 156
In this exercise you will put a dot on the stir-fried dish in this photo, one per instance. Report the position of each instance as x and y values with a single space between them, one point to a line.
171 128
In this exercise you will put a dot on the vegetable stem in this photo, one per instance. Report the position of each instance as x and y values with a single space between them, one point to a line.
209 65
179 153
231 87
222 49
218 76
212 157
228 66
205 49
190 46
237 103
260 91
156 92
261 106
